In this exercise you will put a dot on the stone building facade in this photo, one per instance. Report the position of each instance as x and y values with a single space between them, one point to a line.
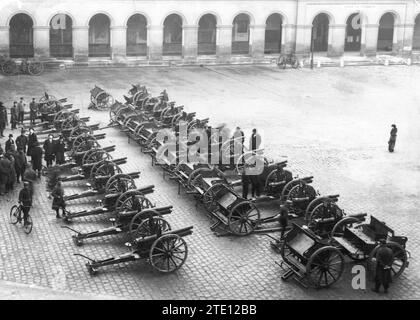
194 30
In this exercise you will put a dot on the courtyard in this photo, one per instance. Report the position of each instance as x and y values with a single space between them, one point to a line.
330 123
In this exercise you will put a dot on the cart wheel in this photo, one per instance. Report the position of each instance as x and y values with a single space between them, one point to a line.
325 267
28 226
123 197
399 262
127 205
14 214
243 218
9 68
318 213
314 203
150 226
119 183
35 68
168 253
272 177
341 225
210 197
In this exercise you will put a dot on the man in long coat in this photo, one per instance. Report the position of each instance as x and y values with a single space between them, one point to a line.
3 118
22 141
384 258
36 159
32 141
392 138
49 149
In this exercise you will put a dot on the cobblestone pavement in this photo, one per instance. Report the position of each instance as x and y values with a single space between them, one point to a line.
331 123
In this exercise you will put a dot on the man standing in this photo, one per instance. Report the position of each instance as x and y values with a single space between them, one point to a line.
392 138
32 141
60 148
245 185
25 200
14 115
22 140
10 143
284 217
21 110
254 141
3 118
49 149
384 258
33 108
4 173
36 158
20 164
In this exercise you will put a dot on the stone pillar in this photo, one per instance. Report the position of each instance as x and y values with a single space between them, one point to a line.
119 43
407 34
224 43
41 41
190 42
257 40
4 41
338 34
154 42
81 43
303 39
288 36
371 39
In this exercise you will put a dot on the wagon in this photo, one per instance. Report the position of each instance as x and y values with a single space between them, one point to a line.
165 251
100 99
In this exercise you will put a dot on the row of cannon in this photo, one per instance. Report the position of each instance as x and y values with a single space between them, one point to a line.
129 211
321 233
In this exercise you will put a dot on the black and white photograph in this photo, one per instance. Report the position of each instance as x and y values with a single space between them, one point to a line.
203 150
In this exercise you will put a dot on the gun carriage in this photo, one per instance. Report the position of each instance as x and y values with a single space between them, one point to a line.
100 99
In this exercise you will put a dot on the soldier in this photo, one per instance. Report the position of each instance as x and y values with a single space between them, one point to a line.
21 110
255 140
33 107
384 258
20 164
3 118
36 159
392 138
25 200
49 148
10 143
58 200
32 141
22 140
14 115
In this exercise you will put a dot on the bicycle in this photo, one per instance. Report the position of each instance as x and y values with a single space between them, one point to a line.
10 67
16 216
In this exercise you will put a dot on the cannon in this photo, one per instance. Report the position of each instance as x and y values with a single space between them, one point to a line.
118 183
165 251
137 94
100 99
115 202
137 223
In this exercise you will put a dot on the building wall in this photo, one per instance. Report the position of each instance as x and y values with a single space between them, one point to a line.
297 17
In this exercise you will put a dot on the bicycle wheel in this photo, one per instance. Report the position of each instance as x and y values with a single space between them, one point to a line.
28 227
14 214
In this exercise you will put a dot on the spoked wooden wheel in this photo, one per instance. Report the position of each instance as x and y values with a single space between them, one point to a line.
28 226
302 192
70 122
94 155
119 183
9 68
325 267
84 142
243 218
148 227
14 214
168 253
79 129
104 101
321 219
271 182
121 204
314 203
210 197
399 262
288 187
35 68
128 205
105 168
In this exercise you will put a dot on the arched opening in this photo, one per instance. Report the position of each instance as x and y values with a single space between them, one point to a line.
172 35
21 39
99 36
273 31
137 35
61 36
207 34
240 34
353 38
321 25
416 35
386 32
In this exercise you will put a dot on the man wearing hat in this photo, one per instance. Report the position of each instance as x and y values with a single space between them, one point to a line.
20 164
10 144
4 173
36 158
32 141
22 140
14 115
25 200
384 258
33 111
21 110
3 118
254 140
